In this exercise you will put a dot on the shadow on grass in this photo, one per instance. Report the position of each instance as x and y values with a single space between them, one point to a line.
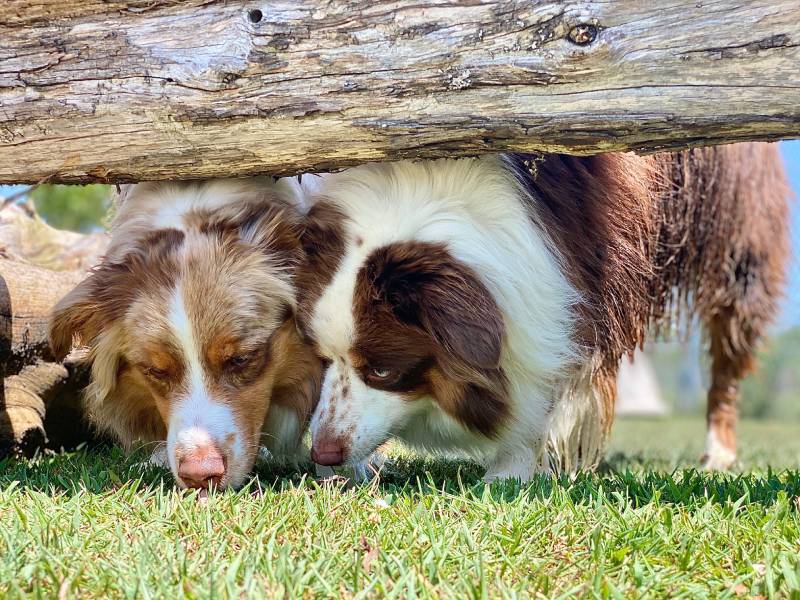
105 470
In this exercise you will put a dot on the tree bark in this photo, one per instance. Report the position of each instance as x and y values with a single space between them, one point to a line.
112 90
41 407
38 395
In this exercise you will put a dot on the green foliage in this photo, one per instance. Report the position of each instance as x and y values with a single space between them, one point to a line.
774 389
74 207
771 392
96 525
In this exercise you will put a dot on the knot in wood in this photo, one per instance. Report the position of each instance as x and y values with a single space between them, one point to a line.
583 34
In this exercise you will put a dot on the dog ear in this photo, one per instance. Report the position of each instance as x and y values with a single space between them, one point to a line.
96 303
428 288
76 318
69 319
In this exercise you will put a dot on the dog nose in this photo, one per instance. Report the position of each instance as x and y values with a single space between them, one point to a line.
202 468
327 452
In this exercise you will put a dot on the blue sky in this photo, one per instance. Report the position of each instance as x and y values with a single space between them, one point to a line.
791 305
790 313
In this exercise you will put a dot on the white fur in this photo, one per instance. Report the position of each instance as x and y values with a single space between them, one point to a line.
576 438
198 420
145 207
477 208
718 457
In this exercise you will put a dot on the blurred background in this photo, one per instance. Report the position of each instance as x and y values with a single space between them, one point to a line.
668 378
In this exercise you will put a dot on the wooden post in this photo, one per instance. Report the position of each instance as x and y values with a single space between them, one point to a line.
113 90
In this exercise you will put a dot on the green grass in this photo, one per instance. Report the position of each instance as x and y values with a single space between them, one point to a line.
92 525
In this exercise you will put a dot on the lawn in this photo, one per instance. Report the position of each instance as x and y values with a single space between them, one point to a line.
90 524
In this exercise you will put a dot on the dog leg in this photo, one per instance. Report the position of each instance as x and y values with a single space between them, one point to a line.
583 413
734 333
521 464
730 363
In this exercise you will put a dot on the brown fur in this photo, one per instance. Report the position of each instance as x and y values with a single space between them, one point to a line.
723 244
235 266
430 318
644 236
323 245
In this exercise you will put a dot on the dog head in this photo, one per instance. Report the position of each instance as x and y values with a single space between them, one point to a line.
188 331
401 326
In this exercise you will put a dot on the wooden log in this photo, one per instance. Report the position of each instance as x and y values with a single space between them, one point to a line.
41 406
113 90
24 237
30 383
27 294
38 395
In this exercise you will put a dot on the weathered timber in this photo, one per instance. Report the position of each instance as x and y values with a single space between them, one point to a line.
27 294
41 406
40 401
112 90
24 237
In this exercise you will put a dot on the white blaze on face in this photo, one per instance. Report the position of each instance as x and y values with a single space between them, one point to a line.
197 420
349 412
356 416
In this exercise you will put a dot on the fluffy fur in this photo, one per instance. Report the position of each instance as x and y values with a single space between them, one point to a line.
190 325
482 306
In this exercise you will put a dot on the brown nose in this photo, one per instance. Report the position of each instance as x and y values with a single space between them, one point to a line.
202 468
327 452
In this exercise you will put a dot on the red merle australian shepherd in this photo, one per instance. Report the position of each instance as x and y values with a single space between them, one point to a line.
482 306
189 322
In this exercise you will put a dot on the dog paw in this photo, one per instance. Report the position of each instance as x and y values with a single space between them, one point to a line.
717 457
158 458
370 468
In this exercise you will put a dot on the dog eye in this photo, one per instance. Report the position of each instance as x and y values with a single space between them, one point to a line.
380 374
155 374
239 361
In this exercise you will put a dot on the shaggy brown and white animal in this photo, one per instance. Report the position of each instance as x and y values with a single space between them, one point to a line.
482 306
190 325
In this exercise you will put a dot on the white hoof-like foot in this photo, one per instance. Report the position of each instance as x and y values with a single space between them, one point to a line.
521 465
359 473
158 458
324 471
717 457
264 455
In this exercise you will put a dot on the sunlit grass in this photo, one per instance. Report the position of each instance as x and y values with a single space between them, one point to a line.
92 524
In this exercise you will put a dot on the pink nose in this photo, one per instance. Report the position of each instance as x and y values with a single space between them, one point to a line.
327 452
202 467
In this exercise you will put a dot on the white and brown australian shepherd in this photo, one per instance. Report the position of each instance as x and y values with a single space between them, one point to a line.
189 322
481 306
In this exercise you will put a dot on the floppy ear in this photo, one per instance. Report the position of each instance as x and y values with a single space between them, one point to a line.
427 287
71 319
95 304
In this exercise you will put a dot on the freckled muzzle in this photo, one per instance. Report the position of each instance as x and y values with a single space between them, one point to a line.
201 462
